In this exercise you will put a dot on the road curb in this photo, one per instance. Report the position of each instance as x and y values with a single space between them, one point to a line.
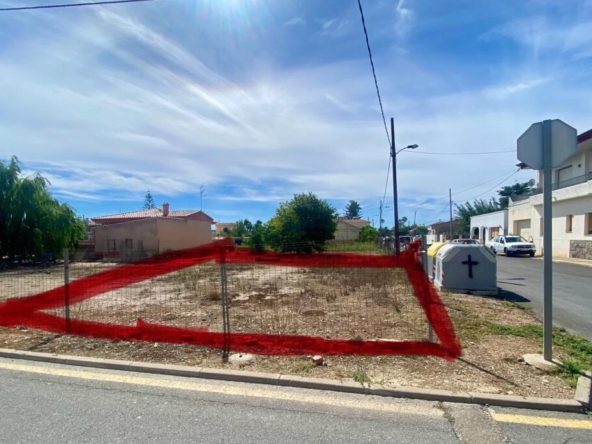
558 405
584 390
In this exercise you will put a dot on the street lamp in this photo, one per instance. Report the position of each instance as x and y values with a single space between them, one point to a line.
396 197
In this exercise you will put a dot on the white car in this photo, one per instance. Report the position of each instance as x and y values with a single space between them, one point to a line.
512 245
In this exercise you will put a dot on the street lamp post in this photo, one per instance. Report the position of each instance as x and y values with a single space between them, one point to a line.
395 194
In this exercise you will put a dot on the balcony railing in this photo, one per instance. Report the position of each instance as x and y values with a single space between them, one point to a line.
564 183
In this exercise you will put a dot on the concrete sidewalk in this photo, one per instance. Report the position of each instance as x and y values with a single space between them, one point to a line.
569 260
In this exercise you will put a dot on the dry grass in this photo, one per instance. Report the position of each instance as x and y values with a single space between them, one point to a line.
329 302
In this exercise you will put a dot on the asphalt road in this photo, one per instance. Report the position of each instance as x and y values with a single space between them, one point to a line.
572 290
47 403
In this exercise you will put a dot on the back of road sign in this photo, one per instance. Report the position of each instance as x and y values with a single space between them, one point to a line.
564 144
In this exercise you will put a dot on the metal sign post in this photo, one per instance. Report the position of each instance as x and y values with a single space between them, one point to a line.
544 146
547 244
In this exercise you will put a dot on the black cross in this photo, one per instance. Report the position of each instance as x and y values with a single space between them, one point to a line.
470 263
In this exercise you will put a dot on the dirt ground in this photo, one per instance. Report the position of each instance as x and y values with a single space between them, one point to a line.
366 304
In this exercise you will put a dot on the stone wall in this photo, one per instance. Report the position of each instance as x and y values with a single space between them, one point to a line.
580 249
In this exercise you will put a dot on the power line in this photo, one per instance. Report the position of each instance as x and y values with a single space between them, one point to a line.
463 154
69 5
473 198
476 186
436 218
373 71
388 171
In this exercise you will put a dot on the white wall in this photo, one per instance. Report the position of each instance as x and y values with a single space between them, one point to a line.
577 207
561 209
486 222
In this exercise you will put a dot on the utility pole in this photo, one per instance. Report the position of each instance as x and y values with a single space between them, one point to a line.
380 224
395 196
450 197
201 191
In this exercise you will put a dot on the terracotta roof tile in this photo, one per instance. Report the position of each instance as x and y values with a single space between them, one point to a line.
145 214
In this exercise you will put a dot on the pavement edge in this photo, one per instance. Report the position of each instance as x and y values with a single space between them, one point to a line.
584 390
559 405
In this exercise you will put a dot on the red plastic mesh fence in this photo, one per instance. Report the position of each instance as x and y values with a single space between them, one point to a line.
278 304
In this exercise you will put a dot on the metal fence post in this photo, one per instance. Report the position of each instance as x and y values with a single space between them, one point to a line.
67 288
424 261
225 307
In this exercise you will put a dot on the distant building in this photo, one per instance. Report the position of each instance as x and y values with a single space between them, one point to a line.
572 206
220 226
485 227
144 233
348 230
440 231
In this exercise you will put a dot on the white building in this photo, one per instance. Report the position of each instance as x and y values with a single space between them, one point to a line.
485 227
572 206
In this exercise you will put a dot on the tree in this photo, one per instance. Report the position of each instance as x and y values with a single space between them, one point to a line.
518 189
353 210
257 239
368 234
403 227
31 221
385 231
420 230
149 202
226 231
303 224
479 206
243 227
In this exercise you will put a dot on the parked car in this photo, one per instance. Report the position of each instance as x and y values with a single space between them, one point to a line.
466 241
512 245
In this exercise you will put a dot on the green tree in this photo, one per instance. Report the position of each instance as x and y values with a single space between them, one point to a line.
385 231
31 221
418 230
403 227
243 227
226 231
353 210
303 224
149 201
257 239
368 234
518 189
468 209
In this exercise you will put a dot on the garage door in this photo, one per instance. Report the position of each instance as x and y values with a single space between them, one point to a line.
523 228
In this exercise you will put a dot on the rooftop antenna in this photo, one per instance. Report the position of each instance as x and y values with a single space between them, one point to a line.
201 191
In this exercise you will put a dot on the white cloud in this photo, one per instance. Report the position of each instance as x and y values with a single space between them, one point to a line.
541 33
112 107
405 18
503 91
335 27
296 21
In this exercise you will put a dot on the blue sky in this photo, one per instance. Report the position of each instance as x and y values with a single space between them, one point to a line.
261 99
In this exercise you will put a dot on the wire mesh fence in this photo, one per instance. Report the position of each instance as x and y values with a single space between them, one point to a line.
253 295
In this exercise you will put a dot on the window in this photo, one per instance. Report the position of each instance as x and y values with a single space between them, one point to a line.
111 246
588 224
564 174
569 223
129 244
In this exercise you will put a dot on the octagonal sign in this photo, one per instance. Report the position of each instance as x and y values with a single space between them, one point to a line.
530 146
563 140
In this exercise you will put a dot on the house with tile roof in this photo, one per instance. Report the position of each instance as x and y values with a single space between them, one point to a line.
165 211
348 230
140 234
